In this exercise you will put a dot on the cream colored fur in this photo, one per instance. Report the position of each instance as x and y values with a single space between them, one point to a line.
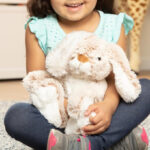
77 69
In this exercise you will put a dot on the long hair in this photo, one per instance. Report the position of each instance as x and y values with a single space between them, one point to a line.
42 8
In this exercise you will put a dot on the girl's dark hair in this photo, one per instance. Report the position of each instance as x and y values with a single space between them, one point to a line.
42 8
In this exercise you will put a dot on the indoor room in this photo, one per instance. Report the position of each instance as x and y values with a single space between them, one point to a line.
13 54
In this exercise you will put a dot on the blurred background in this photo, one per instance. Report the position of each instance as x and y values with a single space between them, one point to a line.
13 16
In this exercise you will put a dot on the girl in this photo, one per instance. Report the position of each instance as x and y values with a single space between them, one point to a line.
51 20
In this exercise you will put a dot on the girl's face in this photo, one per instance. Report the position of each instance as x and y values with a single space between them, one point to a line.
73 10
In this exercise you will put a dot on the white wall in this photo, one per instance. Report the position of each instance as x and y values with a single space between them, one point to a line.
12 41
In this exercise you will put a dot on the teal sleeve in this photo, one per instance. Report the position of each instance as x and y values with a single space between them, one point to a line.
37 27
124 19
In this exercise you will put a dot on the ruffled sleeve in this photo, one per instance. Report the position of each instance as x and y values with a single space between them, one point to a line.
124 19
37 27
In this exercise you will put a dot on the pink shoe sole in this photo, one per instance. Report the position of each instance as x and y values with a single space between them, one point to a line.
144 137
51 140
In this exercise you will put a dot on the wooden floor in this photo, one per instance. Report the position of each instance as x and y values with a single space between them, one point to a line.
14 90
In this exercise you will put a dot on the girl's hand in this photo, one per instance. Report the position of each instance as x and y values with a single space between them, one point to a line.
101 121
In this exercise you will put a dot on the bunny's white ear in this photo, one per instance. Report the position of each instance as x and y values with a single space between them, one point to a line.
126 81
57 58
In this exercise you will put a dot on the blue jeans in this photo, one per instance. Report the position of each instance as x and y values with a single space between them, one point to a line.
25 123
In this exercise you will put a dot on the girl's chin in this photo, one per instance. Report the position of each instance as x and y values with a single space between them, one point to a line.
74 18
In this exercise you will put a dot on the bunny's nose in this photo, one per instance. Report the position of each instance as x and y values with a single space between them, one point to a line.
82 58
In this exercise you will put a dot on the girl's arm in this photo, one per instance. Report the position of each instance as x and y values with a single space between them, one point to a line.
105 109
35 58
112 97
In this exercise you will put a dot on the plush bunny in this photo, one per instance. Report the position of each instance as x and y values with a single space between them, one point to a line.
77 69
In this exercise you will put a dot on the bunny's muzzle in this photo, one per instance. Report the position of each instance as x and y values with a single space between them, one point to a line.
82 58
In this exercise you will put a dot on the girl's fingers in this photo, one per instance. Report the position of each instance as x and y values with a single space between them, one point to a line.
91 128
96 119
90 109
99 130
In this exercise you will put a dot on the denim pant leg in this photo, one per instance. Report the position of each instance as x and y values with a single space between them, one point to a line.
126 117
26 124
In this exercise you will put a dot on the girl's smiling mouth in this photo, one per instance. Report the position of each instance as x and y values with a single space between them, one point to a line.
74 6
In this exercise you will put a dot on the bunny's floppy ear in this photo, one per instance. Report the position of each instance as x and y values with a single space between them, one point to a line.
126 81
58 58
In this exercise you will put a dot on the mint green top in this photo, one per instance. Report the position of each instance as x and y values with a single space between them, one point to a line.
48 31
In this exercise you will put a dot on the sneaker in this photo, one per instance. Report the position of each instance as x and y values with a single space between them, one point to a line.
137 139
59 141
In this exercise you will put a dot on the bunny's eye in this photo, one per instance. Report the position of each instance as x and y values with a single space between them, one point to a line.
99 58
